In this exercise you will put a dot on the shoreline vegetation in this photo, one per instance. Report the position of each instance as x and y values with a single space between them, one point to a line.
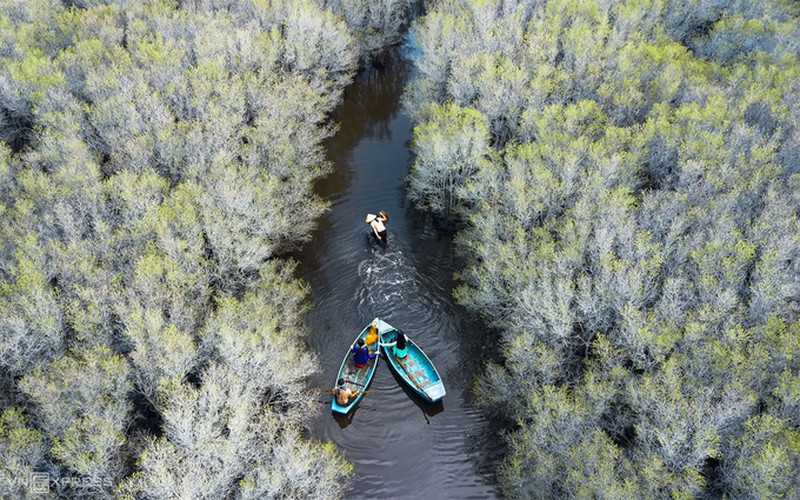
626 175
157 160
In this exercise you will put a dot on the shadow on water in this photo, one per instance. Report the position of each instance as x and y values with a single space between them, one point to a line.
345 420
395 440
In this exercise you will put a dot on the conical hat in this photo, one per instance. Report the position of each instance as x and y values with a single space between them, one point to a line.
370 218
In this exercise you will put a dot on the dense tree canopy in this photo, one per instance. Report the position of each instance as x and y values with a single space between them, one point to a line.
628 180
156 164
626 175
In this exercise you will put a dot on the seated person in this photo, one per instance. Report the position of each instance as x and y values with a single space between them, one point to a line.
342 394
372 334
399 344
361 354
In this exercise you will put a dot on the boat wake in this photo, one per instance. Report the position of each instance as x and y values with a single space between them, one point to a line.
392 289
388 279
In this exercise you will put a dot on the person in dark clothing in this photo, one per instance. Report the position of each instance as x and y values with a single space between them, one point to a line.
399 345
361 354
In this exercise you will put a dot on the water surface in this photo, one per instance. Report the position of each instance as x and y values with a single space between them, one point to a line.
401 446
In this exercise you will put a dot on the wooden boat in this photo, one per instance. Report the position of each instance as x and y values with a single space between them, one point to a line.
416 369
356 378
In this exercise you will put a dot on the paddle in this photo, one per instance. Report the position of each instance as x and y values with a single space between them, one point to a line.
410 377
354 382
403 365
317 389
338 415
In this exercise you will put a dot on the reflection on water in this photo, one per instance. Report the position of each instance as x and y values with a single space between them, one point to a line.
400 444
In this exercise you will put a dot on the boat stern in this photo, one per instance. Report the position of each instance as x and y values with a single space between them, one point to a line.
337 408
435 391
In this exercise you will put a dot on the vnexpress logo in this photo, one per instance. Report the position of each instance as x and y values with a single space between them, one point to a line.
39 482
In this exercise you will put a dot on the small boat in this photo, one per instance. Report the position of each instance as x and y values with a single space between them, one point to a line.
416 369
356 378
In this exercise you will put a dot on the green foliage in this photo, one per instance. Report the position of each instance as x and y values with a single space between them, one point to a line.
83 407
451 144
787 397
89 291
764 459
255 334
160 351
558 449
31 321
22 453
259 456
238 432
597 470
153 157
317 45
244 345
375 25
632 232
675 420
741 38
172 273
296 468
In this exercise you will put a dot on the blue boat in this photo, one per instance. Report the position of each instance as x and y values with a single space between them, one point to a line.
416 369
356 378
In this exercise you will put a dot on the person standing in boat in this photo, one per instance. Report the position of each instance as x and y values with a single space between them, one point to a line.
342 394
399 345
378 225
361 354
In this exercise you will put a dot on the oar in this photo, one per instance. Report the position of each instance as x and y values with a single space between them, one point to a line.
317 389
400 362
354 382
337 415
410 377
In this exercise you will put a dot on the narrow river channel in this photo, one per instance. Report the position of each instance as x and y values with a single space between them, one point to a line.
401 446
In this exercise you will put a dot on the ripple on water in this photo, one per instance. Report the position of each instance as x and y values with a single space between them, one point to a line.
400 445
392 290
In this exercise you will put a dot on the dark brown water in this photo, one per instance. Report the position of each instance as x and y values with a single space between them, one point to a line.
401 446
